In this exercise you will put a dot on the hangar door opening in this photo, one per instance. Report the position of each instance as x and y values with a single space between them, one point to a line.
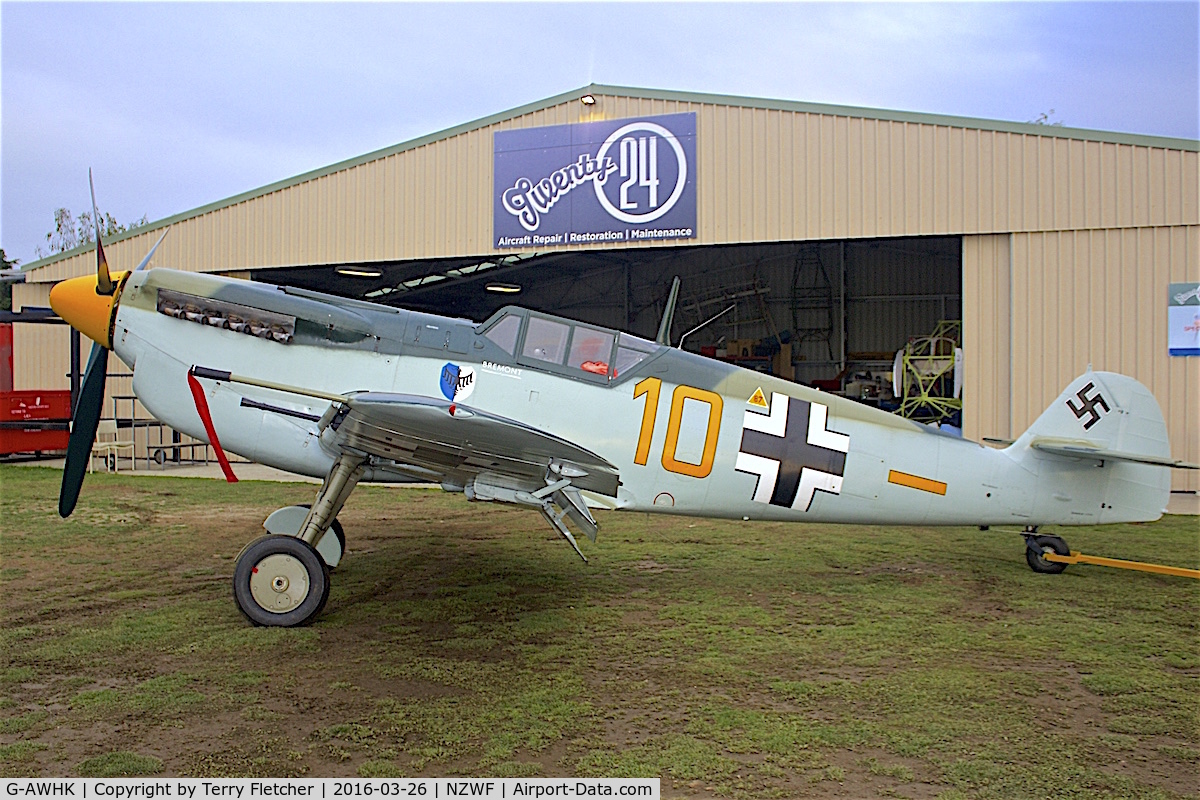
827 314
830 314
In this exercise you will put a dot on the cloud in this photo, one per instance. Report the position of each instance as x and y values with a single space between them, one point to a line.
180 104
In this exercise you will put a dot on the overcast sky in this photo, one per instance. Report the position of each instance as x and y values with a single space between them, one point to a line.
176 105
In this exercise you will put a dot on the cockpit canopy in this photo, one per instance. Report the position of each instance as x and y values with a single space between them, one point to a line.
565 347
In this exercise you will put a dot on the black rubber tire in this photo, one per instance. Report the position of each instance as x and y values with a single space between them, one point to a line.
338 531
314 568
1040 545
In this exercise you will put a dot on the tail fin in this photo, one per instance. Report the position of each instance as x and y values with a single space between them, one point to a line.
1108 421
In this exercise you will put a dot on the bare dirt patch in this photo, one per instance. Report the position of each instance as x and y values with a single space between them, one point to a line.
728 660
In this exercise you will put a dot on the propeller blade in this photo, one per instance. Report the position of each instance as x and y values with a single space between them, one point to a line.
150 255
83 430
104 284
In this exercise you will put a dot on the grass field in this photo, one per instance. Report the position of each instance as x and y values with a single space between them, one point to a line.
730 660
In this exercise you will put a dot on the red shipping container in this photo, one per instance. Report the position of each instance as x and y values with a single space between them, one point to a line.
37 405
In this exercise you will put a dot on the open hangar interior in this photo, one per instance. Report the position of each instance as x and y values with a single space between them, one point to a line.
845 231
840 305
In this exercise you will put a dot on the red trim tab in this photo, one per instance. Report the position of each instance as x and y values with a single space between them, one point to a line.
206 418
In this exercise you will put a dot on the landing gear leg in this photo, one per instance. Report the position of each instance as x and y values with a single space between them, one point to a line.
339 483
289 520
282 580
1036 548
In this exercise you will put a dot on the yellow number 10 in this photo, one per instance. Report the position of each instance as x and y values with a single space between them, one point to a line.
651 388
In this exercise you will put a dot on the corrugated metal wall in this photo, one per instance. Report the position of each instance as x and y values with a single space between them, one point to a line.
40 356
763 175
1040 307
1100 297
898 289
987 334
41 353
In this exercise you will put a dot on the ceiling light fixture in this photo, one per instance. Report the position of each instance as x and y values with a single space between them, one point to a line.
359 272
588 100
503 288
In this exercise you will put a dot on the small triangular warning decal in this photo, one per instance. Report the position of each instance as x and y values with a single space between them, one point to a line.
758 399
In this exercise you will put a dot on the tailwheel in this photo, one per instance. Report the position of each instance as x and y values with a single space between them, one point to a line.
280 581
1037 546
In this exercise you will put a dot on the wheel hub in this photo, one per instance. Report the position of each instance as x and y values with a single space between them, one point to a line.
279 583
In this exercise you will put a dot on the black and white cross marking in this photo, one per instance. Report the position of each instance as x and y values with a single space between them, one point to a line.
791 452
1088 405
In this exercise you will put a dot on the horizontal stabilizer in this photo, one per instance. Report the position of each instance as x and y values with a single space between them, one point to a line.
1071 448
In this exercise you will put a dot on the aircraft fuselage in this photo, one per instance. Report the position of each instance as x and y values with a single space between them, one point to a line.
689 435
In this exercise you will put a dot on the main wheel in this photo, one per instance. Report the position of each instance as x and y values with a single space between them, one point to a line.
280 581
1036 546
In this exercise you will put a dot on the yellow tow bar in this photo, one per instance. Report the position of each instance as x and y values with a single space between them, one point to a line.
1079 558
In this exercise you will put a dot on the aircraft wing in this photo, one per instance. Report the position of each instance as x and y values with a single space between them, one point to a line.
1071 448
451 442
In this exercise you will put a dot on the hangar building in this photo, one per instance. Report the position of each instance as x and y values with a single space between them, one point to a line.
844 231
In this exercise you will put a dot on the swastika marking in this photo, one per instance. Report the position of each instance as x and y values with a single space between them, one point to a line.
1087 405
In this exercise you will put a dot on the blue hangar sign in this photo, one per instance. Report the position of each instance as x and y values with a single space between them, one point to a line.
623 180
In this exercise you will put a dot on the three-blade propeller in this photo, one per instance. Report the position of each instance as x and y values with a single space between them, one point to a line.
90 404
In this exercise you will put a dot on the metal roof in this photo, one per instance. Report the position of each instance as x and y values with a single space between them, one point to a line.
1031 129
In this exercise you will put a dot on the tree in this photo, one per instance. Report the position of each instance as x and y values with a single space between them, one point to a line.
63 237
6 287
1046 118
70 232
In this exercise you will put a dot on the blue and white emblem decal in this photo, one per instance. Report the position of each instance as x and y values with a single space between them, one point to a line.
457 382
791 452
